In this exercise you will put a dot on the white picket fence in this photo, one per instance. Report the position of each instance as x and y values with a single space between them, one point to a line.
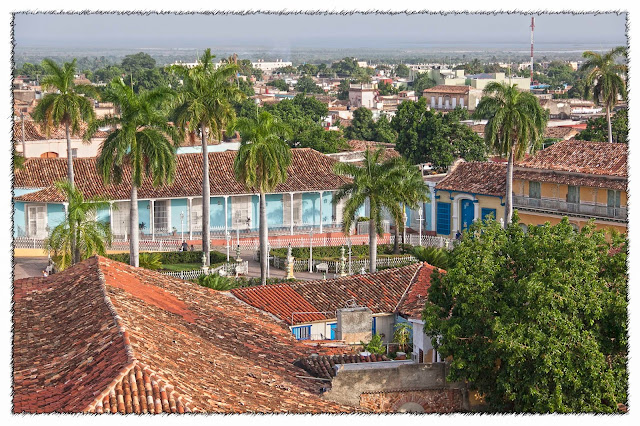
302 265
228 268
425 241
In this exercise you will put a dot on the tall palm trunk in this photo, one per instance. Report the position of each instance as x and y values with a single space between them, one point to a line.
396 238
373 244
74 257
133 228
205 197
609 124
264 240
508 205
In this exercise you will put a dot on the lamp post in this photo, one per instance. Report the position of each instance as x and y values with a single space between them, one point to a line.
257 102
268 259
404 228
182 226
349 242
420 226
228 238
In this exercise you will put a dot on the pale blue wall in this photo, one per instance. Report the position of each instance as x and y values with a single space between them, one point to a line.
55 215
407 211
103 215
255 212
428 218
178 206
19 224
275 217
216 212
21 191
311 208
327 207
144 215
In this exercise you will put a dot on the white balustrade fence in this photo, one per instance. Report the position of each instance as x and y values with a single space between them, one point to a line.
426 241
228 268
302 265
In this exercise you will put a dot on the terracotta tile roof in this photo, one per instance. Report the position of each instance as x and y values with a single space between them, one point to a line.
412 304
448 89
323 365
486 178
568 179
359 145
309 171
598 158
35 132
106 337
382 292
559 132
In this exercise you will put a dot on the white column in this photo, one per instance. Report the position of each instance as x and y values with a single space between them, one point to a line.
454 216
321 192
226 219
151 221
291 208
476 209
433 208
190 201
111 216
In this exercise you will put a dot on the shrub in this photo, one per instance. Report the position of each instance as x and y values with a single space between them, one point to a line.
435 256
150 261
375 346
217 282
175 257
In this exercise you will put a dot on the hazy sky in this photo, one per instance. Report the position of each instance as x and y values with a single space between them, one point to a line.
350 31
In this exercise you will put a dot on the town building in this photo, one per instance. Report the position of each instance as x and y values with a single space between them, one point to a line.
480 81
303 202
105 337
362 95
444 97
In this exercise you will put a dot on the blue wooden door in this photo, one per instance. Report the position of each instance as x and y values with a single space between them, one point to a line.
443 218
466 217
333 328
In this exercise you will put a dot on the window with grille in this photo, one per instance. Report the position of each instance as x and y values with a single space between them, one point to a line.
74 152
302 332
37 217
573 194
534 190
196 214
120 217
161 216
613 198
241 207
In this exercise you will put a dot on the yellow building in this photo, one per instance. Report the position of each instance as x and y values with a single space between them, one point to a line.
578 179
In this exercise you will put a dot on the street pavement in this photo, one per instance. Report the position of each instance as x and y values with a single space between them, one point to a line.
24 267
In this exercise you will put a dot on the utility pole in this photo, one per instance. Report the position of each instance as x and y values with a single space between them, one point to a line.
532 27
24 151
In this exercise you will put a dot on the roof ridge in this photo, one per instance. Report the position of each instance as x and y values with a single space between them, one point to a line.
411 282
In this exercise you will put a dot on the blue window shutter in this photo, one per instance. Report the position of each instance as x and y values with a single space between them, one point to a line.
486 212
373 326
302 332
443 216
333 328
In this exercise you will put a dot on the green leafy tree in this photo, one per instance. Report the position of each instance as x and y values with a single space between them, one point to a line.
402 71
362 125
108 73
307 85
597 128
261 165
314 136
535 320
141 143
516 124
426 136
64 104
343 89
135 62
383 132
375 345
421 82
204 106
346 67
604 80
374 182
79 236
307 69
386 89
279 84
18 160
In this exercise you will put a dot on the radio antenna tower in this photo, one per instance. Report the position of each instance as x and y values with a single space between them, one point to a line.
532 27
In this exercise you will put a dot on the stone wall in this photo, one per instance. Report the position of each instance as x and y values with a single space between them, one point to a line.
417 401
354 325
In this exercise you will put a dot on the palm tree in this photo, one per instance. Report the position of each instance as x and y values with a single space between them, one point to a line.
515 125
139 144
411 191
604 81
65 105
374 181
261 165
80 225
18 160
203 105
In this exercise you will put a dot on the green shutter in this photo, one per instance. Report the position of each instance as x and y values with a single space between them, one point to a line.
534 189
573 195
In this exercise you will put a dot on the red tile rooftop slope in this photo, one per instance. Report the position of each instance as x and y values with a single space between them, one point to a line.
448 89
322 366
476 177
106 337
309 171
599 158
35 132
382 292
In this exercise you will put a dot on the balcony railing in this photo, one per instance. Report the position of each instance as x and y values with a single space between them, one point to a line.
560 206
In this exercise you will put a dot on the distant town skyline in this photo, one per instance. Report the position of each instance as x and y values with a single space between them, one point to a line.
331 31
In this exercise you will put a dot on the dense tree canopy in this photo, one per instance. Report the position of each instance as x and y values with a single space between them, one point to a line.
364 128
597 128
422 81
279 84
307 85
402 71
431 137
535 320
